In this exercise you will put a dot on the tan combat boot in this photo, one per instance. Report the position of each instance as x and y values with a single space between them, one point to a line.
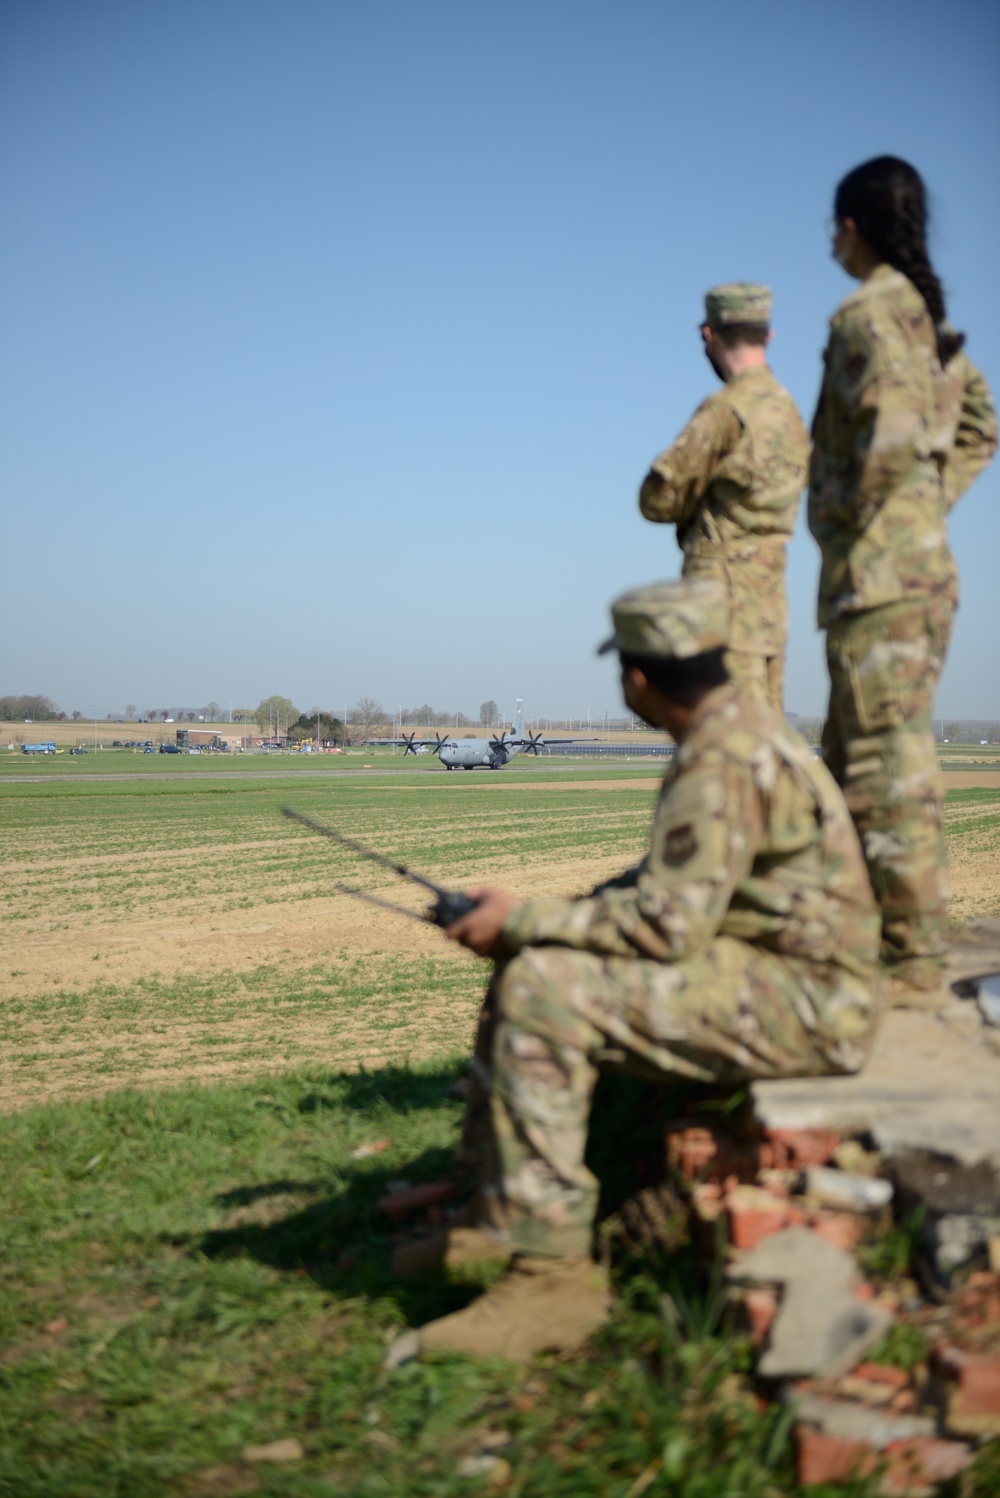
539 1305
451 1248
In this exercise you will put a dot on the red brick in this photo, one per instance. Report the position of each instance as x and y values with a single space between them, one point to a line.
923 1460
753 1214
977 1377
794 1149
907 1466
823 1458
882 1373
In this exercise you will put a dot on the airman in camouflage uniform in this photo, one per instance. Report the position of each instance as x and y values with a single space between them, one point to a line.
897 441
731 484
744 945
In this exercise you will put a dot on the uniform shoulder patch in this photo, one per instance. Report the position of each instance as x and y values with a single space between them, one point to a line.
679 845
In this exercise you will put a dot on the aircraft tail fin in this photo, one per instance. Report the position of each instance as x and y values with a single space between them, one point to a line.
517 722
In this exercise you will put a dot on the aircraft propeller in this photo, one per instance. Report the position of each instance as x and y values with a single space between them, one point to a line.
410 743
440 743
534 741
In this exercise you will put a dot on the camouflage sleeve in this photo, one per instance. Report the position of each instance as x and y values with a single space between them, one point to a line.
679 477
708 827
866 372
976 438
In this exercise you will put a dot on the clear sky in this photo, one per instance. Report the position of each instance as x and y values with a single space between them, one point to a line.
337 337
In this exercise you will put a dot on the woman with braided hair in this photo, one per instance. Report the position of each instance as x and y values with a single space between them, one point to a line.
903 425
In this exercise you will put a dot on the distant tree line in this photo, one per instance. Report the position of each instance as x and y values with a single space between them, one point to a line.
968 730
278 717
39 709
428 717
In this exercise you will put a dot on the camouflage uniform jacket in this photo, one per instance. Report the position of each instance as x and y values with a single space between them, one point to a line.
751 839
896 441
731 483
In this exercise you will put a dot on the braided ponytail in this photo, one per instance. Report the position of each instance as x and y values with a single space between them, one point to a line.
887 201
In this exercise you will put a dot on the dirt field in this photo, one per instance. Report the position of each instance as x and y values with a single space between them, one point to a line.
160 932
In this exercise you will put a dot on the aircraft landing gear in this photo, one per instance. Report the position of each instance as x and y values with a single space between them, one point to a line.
468 767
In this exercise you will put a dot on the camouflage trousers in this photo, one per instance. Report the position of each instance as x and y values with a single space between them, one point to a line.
553 1017
879 745
761 676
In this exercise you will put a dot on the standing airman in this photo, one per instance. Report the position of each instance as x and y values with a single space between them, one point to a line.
732 481
904 424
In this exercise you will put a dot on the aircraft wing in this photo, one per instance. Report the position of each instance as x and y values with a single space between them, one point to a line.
546 743
387 743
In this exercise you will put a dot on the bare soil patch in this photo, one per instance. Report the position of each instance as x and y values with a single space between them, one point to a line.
154 951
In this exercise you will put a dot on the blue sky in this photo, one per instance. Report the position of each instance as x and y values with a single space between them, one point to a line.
337 337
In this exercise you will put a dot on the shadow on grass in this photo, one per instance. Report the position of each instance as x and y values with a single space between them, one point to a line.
393 1087
342 1241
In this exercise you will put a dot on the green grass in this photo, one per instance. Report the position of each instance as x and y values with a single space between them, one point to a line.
223 1275
215 1251
122 762
190 1272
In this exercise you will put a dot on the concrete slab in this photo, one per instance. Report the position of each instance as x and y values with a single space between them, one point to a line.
932 1082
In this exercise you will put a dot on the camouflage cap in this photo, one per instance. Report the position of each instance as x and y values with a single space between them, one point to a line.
739 301
678 620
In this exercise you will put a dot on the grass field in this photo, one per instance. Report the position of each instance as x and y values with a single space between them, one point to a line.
199 1036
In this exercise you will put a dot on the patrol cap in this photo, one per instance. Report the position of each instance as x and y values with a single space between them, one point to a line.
671 620
738 301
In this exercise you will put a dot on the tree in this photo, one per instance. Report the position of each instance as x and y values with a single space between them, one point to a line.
76 715
274 714
423 716
244 714
213 712
317 724
16 709
129 711
489 714
368 714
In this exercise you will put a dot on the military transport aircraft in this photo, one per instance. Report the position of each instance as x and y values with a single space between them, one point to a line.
494 753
